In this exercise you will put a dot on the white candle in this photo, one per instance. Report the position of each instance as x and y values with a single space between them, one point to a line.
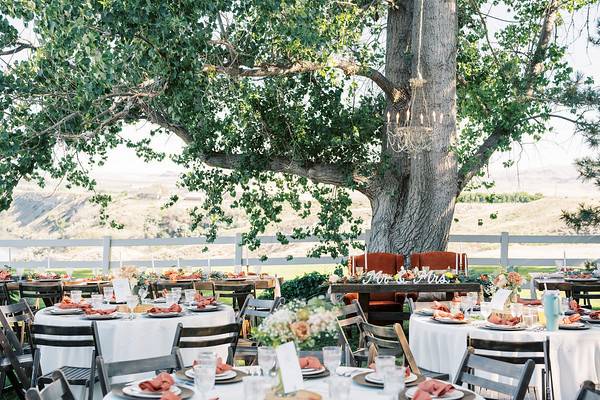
564 259
456 262
48 263
121 259
208 262
466 265
366 258
353 270
178 263
153 266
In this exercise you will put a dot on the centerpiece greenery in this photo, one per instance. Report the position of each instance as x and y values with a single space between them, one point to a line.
310 324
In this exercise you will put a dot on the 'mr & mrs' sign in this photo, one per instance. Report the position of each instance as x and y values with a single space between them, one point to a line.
422 277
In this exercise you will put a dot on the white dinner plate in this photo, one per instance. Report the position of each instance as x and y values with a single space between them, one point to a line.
451 395
428 312
574 326
451 321
590 320
374 377
134 390
67 311
218 377
312 371
497 327
164 315
102 317
207 308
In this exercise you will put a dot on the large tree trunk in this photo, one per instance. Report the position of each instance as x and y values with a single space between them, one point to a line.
413 201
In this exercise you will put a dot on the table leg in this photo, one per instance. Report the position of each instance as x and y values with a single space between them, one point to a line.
363 300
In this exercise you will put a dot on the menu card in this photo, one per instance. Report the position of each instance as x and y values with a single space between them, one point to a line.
291 374
121 289
499 299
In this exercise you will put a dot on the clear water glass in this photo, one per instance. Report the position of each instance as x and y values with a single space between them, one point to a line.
142 292
393 380
332 358
204 375
176 291
564 305
189 295
96 300
266 360
486 310
76 296
255 387
382 363
339 387
529 316
425 269
516 310
108 293
170 299
132 301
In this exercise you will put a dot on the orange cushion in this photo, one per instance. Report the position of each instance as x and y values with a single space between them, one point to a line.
349 297
437 260
385 306
388 263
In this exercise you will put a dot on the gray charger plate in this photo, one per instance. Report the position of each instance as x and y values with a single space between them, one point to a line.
238 377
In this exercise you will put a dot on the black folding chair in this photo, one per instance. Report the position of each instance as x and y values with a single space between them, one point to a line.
588 391
14 364
473 363
158 286
521 352
62 336
237 292
206 288
86 290
58 389
18 317
48 292
191 337
585 294
251 314
107 371
4 294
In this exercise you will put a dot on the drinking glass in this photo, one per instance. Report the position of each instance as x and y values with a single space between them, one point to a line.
393 380
516 310
76 296
255 387
529 314
132 301
189 295
177 292
486 310
466 305
332 358
96 300
382 363
339 387
108 293
266 360
564 305
170 299
205 367
142 292
541 316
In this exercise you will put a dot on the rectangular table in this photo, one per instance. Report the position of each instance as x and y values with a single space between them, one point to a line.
364 291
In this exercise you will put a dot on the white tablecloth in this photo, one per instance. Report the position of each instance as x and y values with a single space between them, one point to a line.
236 391
125 339
574 355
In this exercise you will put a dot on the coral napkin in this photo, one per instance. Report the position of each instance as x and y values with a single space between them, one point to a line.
573 305
498 320
595 315
90 311
439 306
571 319
158 310
310 362
161 383
202 301
443 314
529 302
432 387
67 304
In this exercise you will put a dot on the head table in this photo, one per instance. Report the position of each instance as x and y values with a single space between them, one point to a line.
124 339
235 391
574 355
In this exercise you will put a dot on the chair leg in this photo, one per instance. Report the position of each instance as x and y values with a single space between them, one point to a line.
2 382
17 386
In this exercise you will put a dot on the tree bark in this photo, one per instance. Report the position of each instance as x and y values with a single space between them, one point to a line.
413 201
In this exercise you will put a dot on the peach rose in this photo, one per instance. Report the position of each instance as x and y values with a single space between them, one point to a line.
301 330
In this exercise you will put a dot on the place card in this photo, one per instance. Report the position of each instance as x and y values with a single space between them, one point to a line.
291 374
121 289
499 299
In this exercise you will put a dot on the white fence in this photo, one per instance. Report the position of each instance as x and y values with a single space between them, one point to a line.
107 243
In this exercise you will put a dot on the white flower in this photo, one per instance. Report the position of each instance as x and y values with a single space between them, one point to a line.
333 278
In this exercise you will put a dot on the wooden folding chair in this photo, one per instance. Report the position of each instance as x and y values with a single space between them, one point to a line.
58 389
588 391
236 291
251 314
192 337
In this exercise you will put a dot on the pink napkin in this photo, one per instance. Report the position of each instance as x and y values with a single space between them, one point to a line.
432 387
161 383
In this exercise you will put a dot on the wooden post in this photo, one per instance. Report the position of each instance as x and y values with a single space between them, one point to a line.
504 249
239 251
106 241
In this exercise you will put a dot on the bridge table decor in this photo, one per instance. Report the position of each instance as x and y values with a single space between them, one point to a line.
364 291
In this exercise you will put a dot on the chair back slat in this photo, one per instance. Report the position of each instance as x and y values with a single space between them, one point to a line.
482 363
185 344
42 336
487 384
513 347
61 330
10 352
381 332
194 337
588 391
356 320
63 343
59 389
86 290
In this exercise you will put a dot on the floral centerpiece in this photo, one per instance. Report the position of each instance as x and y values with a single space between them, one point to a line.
509 280
311 325
181 274
33 276
5 273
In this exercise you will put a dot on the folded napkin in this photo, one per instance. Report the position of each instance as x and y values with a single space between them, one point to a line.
202 301
169 396
595 315
310 362
499 320
68 304
571 319
529 302
222 367
573 305
443 314
161 383
432 387
439 306
108 311
158 310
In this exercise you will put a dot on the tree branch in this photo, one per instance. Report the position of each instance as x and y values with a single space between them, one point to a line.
534 69
394 93
20 47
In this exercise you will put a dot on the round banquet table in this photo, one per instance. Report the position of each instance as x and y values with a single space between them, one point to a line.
574 355
235 391
124 339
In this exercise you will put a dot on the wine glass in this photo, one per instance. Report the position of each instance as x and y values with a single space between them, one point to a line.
143 292
176 291
108 293
76 296
205 367
486 309
516 310
132 301
332 358
266 360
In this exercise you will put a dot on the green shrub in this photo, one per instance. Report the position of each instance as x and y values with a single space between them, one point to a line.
306 286
517 197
